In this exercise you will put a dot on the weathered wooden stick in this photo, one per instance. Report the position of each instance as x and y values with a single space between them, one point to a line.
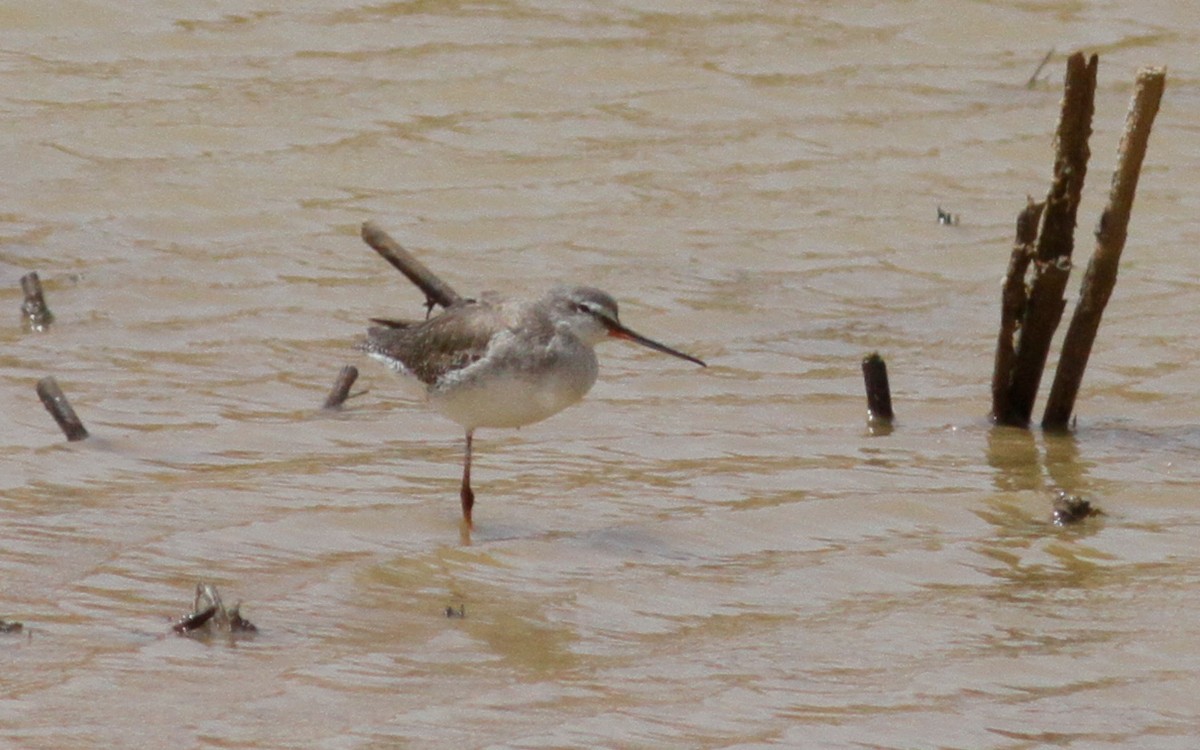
56 403
1101 274
1012 307
1052 260
37 315
879 394
437 292
341 387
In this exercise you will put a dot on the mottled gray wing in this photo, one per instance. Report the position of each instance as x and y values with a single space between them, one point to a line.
433 348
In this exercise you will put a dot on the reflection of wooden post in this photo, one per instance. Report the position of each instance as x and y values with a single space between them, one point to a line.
1052 259
1101 273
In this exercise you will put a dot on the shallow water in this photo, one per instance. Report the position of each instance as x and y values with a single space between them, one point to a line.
689 558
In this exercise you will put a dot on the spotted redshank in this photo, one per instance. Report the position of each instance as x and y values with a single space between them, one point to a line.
496 362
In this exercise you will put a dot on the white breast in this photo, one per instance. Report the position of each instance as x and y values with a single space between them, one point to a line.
515 385
508 399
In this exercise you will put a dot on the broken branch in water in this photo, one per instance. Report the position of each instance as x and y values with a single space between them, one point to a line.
341 387
56 403
437 292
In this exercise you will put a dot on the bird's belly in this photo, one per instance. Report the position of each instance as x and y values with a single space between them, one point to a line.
507 400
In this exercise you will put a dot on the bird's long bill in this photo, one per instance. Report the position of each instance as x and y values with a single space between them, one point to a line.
618 331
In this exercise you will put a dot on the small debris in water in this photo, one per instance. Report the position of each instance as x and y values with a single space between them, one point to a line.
1033 79
459 612
209 615
946 218
34 312
10 627
1071 509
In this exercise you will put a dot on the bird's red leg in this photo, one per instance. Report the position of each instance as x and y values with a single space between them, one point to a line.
467 495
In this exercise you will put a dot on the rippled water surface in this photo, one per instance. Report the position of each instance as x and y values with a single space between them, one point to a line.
689 558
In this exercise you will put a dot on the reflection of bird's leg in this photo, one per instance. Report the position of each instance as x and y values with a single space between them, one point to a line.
468 496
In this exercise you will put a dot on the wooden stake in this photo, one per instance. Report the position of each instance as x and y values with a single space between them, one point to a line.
1101 274
879 394
1052 259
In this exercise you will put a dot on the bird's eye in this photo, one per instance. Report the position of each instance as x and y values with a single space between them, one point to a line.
583 307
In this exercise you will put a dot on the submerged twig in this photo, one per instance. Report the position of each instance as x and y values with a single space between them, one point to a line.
56 403
341 387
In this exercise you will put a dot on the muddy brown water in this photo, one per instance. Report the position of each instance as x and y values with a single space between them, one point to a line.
718 558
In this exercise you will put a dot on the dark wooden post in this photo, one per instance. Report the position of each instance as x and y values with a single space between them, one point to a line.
1055 242
879 394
